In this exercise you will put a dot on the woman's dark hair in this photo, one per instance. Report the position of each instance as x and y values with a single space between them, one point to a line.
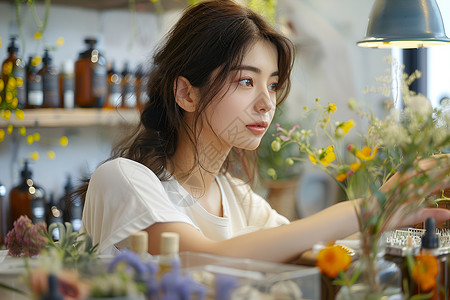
205 46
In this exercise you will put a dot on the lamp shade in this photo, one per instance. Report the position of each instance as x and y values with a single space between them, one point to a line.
404 24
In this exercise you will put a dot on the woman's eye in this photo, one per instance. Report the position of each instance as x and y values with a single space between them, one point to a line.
273 86
246 82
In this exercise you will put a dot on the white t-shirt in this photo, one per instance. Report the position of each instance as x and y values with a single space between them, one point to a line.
125 196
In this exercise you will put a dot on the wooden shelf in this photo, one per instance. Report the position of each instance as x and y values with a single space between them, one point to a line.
77 117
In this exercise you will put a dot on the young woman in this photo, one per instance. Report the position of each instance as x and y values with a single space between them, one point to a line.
215 84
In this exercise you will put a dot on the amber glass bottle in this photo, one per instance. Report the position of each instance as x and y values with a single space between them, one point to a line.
128 88
49 75
90 77
34 91
114 94
27 199
13 75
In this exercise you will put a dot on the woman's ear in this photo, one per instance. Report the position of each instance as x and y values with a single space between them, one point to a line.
185 94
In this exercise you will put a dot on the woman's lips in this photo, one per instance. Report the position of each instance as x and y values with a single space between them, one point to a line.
258 127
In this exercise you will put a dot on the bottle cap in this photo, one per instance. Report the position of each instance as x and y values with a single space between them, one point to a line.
430 239
47 59
12 48
169 242
26 172
139 242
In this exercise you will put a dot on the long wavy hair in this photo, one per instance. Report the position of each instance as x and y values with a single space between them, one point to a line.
205 46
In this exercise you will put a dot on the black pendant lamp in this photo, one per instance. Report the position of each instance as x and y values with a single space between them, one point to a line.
404 24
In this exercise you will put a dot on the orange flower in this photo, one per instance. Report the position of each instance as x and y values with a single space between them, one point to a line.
341 177
333 259
366 153
425 272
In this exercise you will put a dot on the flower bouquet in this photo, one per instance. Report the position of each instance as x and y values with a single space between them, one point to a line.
393 167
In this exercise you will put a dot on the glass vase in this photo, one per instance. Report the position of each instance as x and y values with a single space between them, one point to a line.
378 279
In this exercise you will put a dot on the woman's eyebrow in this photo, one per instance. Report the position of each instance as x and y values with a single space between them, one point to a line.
254 69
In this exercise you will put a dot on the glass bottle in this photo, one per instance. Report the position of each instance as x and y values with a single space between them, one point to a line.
141 88
430 246
3 213
34 89
27 199
71 205
128 88
54 215
169 259
139 245
50 88
90 77
114 94
15 71
67 85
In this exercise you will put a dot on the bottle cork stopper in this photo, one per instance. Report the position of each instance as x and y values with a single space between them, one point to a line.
169 243
139 242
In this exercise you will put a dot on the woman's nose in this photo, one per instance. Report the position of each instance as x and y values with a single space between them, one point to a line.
263 103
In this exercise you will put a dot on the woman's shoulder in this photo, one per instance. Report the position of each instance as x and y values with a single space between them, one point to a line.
123 168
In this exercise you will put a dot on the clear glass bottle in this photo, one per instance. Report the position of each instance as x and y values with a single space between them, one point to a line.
90 77
169 258
71 205
139 245
67 85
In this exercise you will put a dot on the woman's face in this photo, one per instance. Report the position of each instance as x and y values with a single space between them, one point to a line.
243 115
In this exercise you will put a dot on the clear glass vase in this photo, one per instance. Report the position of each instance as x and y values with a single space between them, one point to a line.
383 281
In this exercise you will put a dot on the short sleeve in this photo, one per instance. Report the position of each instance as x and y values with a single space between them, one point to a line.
124 197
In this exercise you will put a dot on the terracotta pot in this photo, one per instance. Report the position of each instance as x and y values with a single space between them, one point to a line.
282 196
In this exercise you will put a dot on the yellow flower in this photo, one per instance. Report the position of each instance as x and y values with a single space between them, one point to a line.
327 156
2 135
313 159
6 114
30 139
60 42
19 114
51 154
37 136
348 125
9 129
37 35
333 259
341 177
14 102
7 68
366 153
11 83
425 271
34 155
64 141
0 41
331 108
36 61
9 97
19 81
22 130
355 166
2 85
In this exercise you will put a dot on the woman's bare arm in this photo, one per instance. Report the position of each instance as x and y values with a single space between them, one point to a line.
283 243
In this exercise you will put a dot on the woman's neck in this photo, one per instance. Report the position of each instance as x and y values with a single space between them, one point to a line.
196 176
